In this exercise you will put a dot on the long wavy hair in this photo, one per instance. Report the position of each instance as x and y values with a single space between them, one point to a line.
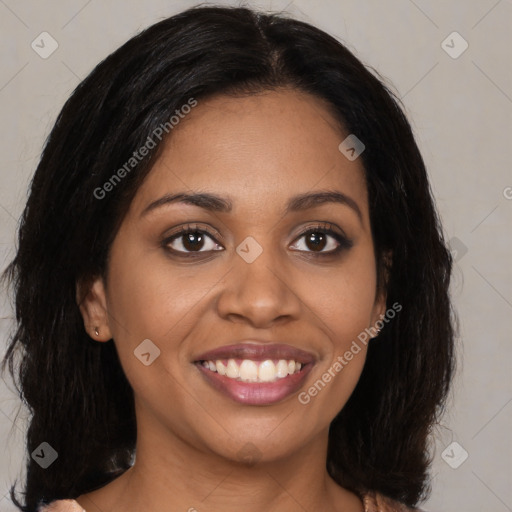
79 399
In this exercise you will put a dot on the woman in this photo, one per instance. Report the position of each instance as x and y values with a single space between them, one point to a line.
231 281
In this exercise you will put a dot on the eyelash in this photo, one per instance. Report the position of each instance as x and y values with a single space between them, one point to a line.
344 243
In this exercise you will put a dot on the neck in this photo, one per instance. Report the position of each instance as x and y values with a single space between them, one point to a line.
178 476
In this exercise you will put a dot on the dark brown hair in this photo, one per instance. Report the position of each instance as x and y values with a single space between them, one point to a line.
78 396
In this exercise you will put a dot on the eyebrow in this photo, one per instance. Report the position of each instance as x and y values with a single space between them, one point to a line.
214 203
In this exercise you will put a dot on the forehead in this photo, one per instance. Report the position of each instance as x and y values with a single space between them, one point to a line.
258 149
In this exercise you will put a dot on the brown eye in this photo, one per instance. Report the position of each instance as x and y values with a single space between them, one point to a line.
316 241
323 241
190 241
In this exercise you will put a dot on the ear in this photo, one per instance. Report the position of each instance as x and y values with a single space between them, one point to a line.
92 301
379 307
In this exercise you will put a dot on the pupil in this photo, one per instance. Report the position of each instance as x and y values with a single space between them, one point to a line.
317 239
193 241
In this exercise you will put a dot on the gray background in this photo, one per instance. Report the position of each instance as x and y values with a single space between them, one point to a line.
461 111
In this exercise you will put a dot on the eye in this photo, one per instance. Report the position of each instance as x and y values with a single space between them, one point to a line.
190 239
322 240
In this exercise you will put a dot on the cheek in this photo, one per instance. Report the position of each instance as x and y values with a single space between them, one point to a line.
343 302
344 299
147 301
148 298
344 308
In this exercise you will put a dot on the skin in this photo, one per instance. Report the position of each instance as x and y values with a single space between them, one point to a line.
259 151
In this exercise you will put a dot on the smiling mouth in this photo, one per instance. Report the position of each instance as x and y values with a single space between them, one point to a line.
247 370
255 373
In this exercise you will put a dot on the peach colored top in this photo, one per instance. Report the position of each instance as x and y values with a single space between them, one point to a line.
373 502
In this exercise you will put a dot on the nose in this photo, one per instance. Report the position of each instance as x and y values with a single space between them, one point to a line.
259 292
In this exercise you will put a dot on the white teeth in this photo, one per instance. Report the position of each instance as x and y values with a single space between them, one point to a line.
221 368
249 371
232 370
282 369
254 371
267 371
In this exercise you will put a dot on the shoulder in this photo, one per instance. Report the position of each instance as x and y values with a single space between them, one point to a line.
61 506
375 502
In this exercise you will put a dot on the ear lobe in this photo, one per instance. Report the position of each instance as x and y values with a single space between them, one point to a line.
92 301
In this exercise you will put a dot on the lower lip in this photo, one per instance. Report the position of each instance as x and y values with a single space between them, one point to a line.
256 393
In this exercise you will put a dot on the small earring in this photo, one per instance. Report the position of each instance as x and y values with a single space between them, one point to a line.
96 331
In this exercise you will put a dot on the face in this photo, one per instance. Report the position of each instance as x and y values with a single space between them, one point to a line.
249 297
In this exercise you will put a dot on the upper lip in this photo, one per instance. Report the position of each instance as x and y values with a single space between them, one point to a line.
257 351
